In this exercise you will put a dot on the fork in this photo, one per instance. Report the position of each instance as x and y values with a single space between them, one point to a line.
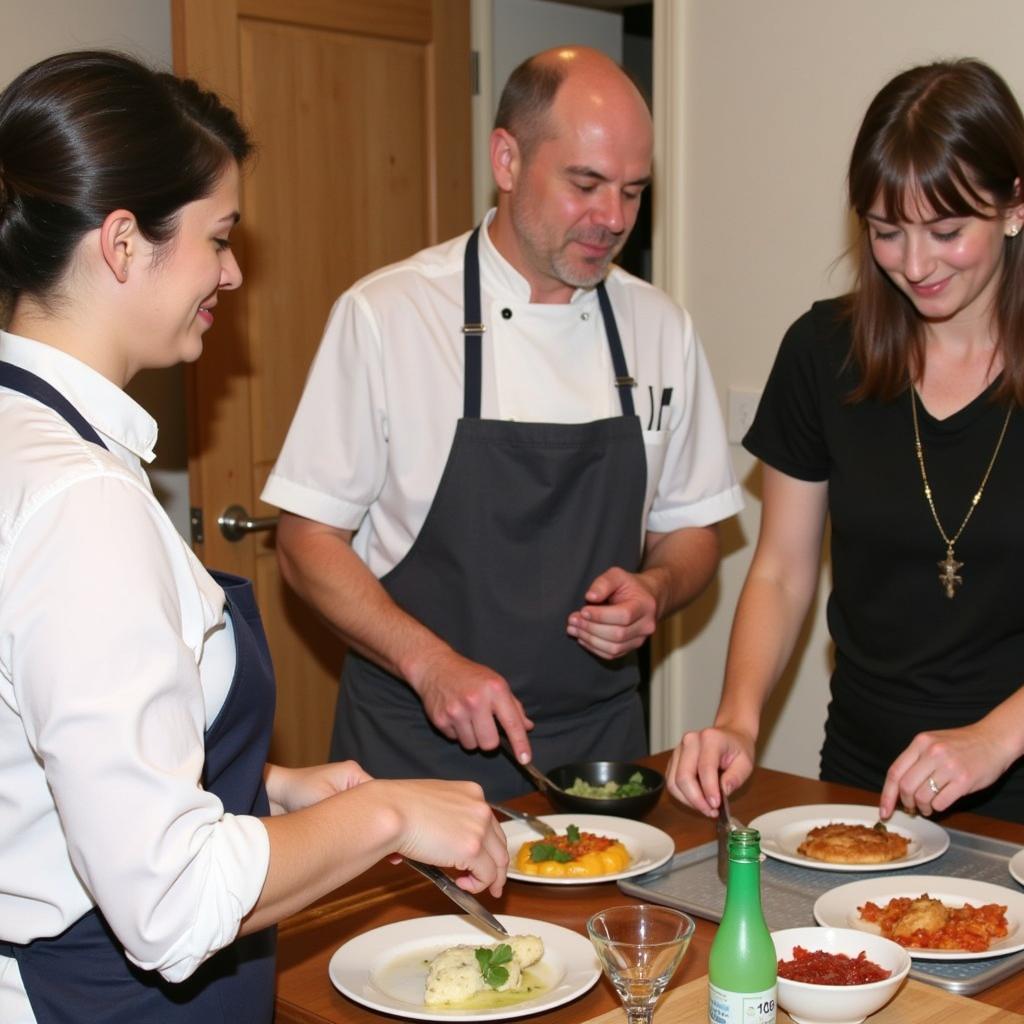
726 823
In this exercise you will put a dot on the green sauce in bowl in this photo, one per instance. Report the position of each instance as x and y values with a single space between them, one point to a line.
633 786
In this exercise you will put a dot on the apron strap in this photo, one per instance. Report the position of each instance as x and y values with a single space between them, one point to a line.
623 381
473 327
27 383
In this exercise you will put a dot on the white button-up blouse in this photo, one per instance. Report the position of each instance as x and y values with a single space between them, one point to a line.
114 655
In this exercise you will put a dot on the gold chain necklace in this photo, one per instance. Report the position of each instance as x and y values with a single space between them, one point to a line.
948 577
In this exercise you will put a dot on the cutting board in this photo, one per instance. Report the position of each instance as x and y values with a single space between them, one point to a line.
915 1003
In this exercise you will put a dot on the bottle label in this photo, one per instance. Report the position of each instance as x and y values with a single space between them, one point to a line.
741 1007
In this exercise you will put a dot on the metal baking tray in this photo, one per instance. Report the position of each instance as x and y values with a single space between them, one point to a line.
690 882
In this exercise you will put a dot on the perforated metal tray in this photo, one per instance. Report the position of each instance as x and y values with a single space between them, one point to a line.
690 882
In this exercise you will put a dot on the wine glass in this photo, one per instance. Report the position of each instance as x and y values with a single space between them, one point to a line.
640 946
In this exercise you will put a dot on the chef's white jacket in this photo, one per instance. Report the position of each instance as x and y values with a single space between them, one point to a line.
369 441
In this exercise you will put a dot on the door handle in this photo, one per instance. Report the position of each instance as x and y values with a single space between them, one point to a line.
235 523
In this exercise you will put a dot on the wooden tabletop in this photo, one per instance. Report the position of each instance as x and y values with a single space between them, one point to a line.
390 893
915 1003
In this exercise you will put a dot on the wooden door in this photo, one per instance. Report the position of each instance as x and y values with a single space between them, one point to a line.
360 110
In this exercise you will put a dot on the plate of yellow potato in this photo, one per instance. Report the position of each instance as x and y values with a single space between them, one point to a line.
585 849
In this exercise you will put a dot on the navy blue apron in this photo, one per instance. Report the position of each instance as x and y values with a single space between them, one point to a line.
82 974
525 517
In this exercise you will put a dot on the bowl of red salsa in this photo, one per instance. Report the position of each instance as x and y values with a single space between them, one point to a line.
837 975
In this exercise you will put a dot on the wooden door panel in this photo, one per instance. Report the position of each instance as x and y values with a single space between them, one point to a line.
361 115
386 19
356 198
307 661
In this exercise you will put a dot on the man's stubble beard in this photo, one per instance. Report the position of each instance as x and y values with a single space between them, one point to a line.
586 274
555 262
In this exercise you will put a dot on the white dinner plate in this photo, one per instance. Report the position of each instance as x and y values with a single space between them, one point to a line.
648 847
784 830
386 969
838 908
1017 866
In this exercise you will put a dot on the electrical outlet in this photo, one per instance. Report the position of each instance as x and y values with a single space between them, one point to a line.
742 405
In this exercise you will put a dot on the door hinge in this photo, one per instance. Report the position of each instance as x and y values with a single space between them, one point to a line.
195 522
474 72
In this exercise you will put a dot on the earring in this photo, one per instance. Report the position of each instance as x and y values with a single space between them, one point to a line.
1013 231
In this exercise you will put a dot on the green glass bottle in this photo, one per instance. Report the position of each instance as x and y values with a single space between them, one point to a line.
743 968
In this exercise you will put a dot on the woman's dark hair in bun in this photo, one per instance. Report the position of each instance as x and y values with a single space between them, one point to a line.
89 132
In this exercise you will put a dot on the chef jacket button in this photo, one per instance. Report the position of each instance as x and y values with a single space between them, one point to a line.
506 313
584 316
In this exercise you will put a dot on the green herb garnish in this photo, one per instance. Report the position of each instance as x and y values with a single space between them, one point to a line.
490 961
545 851
548 851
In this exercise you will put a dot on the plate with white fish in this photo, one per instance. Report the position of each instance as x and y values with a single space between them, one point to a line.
385 969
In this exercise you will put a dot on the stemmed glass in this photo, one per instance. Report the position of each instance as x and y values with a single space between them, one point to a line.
640 946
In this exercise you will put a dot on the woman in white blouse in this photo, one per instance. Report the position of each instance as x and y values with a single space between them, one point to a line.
140 864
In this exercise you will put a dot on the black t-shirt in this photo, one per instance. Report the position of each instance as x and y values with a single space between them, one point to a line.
908 658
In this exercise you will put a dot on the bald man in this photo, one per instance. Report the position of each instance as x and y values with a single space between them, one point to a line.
508 461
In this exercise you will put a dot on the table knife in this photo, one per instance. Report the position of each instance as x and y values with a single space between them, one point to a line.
467 901
527 819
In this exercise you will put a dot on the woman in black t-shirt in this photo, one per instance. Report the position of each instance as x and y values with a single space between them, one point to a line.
896 412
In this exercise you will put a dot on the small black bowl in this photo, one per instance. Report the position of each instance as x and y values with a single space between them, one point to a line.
596 773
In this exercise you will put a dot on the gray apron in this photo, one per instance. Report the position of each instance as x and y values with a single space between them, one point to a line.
525 517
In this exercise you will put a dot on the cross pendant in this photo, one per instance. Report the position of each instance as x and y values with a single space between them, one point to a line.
948 577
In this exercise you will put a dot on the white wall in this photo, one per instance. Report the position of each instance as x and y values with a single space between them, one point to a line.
33 29
522 28
773 94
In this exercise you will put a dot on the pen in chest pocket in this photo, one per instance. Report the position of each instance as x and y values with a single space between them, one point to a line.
666 397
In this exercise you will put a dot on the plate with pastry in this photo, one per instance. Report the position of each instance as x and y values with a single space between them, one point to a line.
849 837
934 917
586 848
451 968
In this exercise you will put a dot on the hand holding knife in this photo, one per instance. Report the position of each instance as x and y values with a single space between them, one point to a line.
467 901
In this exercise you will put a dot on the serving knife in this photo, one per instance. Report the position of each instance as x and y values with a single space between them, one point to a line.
540 780
467 901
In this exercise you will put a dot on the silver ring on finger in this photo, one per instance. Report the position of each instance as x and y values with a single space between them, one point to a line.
933 786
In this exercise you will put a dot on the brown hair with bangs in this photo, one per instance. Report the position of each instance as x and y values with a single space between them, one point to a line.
952 134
